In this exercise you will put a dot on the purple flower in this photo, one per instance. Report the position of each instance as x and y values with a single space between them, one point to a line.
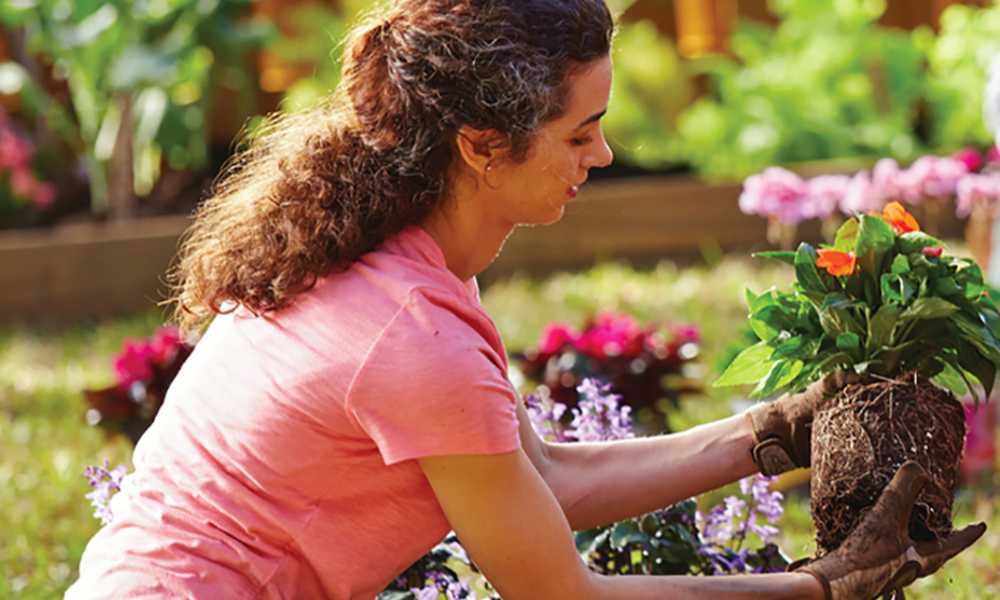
598 417
776 192
105 484
545 414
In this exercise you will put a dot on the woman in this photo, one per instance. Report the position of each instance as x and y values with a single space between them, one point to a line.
349 404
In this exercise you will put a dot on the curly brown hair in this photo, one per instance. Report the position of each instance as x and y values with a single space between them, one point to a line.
313 191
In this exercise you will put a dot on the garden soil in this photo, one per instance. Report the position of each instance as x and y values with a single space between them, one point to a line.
864 434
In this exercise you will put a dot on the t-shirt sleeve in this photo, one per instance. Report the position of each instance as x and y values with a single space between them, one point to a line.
433 385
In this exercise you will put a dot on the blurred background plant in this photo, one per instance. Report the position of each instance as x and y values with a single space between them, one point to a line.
141 79
23 194
958 61
827 82
649 366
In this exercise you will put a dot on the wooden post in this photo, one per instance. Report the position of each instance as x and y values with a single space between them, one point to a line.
704 26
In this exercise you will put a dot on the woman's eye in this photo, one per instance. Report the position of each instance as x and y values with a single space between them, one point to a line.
580 141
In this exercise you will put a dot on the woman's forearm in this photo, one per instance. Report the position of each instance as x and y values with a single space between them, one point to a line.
598 483
778 586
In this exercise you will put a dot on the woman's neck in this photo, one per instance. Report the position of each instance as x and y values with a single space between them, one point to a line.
469 239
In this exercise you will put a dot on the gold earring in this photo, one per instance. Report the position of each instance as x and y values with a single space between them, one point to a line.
486 176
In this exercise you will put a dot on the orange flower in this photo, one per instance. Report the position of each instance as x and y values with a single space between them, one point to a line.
836 262
901 221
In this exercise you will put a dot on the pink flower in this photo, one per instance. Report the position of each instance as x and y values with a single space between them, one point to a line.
164 345
969 157
44 196
686 333
825 194
15 151
976 189
932 251
612 335
931 177
993 155
134 363
862 196
776 193
22 182
555 336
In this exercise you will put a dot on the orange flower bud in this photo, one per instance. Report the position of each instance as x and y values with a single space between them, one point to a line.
901 221
836 262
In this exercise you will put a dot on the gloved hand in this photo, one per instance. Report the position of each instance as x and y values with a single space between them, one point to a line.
782 429
879 557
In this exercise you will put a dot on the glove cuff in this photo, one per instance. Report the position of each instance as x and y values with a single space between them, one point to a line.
823 581
771 452
772 457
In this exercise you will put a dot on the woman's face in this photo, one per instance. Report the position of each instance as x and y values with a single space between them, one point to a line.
536 191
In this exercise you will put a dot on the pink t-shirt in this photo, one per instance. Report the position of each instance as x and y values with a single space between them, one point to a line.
281 464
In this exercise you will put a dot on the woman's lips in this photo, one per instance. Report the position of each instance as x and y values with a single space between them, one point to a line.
573 191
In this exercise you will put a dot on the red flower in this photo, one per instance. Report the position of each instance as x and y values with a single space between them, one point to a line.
901 221
932 251
836 262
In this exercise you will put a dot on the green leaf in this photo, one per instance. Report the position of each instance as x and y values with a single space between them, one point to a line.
587 540
952 379
897 288
929 308
978 365
781 374
805 269
947 286
847 235
875 238
915 241
785 256
625 532
750 366
900 265
848 342
881 325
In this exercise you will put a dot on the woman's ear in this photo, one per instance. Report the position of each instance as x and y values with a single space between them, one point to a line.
480 148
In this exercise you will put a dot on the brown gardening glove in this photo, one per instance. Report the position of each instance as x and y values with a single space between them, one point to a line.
879 557
782 429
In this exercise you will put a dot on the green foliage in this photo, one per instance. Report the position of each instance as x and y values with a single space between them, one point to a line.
319 33
958 60
900 310
650 89
152 63
828 82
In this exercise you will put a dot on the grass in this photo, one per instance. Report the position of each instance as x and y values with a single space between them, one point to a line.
45 443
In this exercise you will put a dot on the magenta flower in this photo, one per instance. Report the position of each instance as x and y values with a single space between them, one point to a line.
684 333
134 363
969 157
777 193
165 344
555 336
611 335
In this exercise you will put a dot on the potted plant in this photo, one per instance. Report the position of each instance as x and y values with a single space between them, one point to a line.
918 326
